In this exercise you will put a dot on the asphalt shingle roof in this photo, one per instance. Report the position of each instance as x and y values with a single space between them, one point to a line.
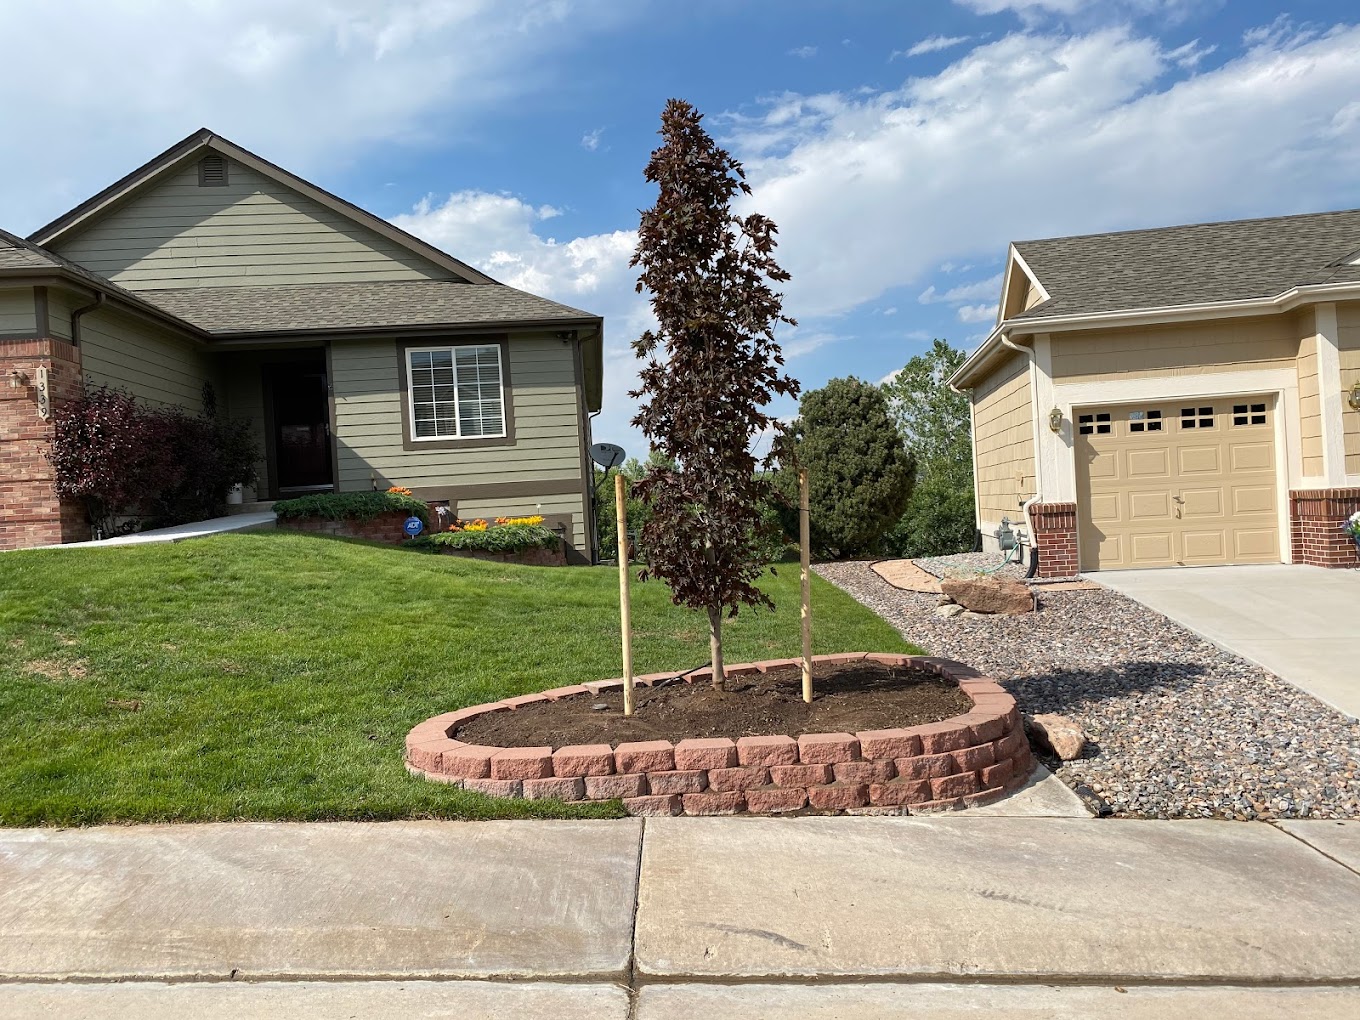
264 309
1203 262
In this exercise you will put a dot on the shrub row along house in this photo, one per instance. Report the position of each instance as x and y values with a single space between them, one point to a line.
364 357
1182 396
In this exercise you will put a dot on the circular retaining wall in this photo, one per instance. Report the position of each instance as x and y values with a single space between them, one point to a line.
959 762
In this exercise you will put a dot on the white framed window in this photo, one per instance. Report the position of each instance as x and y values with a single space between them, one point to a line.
455 392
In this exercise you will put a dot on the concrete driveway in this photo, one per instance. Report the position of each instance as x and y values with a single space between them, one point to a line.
1301 623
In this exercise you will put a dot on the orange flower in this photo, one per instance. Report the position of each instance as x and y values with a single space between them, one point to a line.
399 490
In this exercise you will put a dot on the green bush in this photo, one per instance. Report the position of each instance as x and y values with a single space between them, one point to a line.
860 474
352 506
498 538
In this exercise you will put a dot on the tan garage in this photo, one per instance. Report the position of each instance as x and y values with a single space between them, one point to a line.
1180 396
1185 483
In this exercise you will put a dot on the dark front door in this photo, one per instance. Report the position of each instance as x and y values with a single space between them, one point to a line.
301 435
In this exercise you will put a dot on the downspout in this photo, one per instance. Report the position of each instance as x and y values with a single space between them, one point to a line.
1026 506
76 313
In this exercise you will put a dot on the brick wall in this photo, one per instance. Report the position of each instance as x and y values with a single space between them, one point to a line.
1315 519
1055 536
30 513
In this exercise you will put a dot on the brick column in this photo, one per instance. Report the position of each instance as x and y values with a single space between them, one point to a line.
1055 536
1315 519
30 512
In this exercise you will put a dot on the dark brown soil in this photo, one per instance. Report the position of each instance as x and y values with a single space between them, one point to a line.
846 698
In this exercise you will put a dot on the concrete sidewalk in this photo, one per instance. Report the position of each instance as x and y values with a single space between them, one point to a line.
975 916
1298 622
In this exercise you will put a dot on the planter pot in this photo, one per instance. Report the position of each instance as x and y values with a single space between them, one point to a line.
235 495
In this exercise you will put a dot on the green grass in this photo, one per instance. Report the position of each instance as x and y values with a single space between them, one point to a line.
278 673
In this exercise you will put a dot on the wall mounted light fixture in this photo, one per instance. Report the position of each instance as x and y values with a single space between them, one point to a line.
1354 398
1055 419
17 379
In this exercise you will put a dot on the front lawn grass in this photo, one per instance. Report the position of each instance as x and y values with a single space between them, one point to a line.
275 675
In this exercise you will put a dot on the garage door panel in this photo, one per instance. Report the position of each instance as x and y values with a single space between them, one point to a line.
1252 457
1105 508
1104 466
1253 499
1154 549
1202 502
1199 488
1149 463
1256 545
1200 460
1145 506
1208 546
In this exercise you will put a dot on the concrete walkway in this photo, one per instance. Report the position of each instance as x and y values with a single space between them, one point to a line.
180 532
1298 622
680 917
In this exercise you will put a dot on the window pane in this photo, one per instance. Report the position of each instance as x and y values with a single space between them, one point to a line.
479 391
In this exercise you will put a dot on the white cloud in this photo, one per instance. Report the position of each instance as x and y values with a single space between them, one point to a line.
1036 135
796 345
987 288
976 313
932 44
590 141
803 52
308 84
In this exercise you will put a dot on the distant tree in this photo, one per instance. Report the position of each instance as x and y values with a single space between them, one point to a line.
859 471
934 421
712 365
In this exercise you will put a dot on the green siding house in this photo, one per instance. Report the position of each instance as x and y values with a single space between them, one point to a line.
364 357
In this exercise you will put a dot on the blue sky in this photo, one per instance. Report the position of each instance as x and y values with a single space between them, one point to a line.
898 145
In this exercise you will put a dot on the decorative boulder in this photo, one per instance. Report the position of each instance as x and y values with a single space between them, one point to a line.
1058 734
949 610
989 594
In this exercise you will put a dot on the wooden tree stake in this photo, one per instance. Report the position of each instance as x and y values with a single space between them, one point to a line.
625 609
804 556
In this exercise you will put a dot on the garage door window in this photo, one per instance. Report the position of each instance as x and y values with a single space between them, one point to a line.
1145 421
1197 417
1249 414
1094 424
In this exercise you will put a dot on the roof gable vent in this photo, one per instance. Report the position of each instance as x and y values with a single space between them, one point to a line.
212 171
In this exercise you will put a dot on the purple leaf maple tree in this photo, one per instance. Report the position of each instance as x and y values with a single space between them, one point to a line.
711 367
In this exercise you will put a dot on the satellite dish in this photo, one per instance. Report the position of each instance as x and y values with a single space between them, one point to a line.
607 455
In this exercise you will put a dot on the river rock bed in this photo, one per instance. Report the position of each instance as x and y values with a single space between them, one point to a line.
1178 727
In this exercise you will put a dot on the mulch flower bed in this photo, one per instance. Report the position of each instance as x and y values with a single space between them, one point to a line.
886 733
846 697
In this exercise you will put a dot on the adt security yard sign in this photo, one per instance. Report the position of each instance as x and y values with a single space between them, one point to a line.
413 526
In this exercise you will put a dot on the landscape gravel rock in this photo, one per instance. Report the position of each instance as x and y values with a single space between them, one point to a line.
1177 727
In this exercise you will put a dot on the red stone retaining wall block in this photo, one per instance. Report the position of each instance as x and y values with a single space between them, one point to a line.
30 512
960 762
1315 519
1055 536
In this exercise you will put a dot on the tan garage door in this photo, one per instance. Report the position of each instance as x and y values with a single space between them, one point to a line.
1177 484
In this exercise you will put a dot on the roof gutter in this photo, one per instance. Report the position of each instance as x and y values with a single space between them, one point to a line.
1285 301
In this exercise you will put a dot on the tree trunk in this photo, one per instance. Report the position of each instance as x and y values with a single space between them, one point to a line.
715 647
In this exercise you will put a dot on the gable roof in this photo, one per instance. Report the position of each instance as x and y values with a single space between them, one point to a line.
21 257
203 140
1200 263
339 307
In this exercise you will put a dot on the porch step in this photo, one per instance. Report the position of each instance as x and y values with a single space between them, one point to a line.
260 506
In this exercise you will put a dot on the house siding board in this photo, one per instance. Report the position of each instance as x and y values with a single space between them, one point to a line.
1004 438
368 408
17 313
154 364
1348 340
1223 346
254 231
1310 408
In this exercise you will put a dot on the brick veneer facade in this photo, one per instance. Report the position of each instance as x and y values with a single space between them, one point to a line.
1315 519
386 527
1055 537
30 512
968 760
